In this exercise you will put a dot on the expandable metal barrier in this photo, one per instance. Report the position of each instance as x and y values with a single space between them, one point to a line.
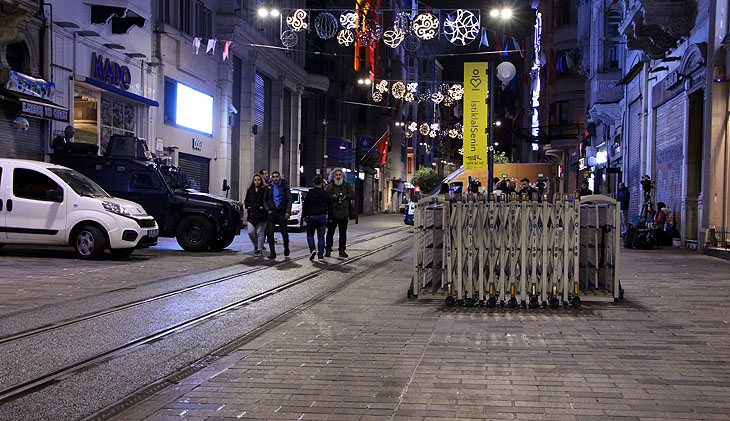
514 251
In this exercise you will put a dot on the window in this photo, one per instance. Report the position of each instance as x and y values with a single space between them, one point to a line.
186 16
561 13
204 19
613 38
117 117
409 165
30 184
141 181
559 112
164 11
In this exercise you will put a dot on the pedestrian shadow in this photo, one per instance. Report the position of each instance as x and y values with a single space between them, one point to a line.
287 264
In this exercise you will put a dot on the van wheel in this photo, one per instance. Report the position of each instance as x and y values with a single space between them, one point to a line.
223 242
89 242
122 253
195 233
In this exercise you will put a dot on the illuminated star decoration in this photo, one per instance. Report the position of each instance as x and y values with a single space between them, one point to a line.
382 86
437 97
345 37
298 20
289 38
424 129
456 91
413 126
377 96
461 27
349 19
412 87
398 90
426 25
409 97
393 37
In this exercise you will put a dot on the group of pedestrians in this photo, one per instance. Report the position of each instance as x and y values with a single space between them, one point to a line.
269 201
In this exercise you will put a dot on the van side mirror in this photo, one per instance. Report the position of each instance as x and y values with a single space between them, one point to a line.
54 195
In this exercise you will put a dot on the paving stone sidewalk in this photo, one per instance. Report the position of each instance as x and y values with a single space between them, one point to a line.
367 352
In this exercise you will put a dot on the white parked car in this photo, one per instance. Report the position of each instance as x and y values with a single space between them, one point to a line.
46 204
297 199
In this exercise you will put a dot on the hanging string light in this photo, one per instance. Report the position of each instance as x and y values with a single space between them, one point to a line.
435 126
393 37
456 91
398 90
453 133
377 96
345 37
289 38
369 32
298 20
409 97
424 129
413 126
437 97
432 133
412 87
349 19
325 25
382 86
426 26
448 101
409 133
461 27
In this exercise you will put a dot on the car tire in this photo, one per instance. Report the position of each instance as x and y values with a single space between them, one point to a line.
223 242
89 242
122 253
195 233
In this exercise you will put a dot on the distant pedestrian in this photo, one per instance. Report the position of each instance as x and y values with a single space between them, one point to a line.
264 173
317 205
256 214
341 193
526 188
277 202
584 190
624 197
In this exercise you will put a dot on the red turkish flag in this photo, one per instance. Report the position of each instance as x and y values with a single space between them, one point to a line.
382 146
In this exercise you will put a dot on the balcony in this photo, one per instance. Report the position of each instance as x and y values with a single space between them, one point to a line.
603 88
655 26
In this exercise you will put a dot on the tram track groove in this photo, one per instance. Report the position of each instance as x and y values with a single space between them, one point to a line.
100 313
19 390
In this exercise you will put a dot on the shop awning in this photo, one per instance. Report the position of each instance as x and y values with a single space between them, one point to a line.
121 92
32 106
122 18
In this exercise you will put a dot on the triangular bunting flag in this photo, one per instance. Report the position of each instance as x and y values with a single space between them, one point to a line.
226 46
196 44
210 47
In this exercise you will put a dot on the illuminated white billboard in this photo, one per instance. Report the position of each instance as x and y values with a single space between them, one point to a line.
194 109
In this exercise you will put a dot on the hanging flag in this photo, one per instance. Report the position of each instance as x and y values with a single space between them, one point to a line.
226 46
382 145
196 44
210 47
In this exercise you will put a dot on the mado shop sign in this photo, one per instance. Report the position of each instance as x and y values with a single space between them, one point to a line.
110 72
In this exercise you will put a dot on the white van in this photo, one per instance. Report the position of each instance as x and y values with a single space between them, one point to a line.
297 200
48 204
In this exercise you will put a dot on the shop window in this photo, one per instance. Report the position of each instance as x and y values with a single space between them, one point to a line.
116 117
29 184
85 116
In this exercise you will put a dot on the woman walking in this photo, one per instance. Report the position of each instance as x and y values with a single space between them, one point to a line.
256 214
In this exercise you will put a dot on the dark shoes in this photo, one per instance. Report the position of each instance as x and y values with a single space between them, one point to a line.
311 255
258 253
327 252
272 256
286 251
343 254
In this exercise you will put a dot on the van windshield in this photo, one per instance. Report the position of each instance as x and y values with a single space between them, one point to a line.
80 183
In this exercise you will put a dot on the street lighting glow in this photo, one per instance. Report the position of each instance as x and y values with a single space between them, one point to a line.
263 12
274 12
497 123
494 13
506 13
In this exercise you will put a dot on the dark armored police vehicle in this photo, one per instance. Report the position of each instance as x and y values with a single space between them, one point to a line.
129 170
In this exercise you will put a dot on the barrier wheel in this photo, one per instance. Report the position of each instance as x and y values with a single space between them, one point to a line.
450 301
554 302
470 302
512 302
575 301
534 303
491 302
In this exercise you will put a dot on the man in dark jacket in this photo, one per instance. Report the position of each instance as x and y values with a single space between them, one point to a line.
341 194
277 202
317 205
624 197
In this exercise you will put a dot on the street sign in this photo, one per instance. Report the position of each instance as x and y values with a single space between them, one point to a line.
476 115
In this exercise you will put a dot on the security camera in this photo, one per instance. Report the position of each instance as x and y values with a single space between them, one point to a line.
232 109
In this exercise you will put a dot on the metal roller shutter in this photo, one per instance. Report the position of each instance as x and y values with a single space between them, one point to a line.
669 154
25 145
197 169
633 176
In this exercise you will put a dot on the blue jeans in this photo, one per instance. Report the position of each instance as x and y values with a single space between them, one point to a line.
319 223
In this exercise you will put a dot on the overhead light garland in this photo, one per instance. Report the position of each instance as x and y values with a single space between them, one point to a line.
425 26
345 38
298 20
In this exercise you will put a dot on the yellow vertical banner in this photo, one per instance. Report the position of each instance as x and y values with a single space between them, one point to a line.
476 115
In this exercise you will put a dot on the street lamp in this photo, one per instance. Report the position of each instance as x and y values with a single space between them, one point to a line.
264 12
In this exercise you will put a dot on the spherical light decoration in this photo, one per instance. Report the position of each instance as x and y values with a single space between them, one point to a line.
444 88
456 91
412 43
369 32
393 37
461 27
435 126
326 25
424 96
413 126
453 133
349 19
412 87
432 133
345 37
289 38
409 134
398 90
20 124
424 129
377 96
409 97
403 22
382 86
437 97
448 101
298 20
426 25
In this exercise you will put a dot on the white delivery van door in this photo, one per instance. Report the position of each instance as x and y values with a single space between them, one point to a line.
30 215
3 197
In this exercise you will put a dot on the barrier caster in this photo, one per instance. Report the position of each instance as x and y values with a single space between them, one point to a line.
523 303
512 302
554 302
534 303
566 304
491 302
450 301
544 304
470 302
575 301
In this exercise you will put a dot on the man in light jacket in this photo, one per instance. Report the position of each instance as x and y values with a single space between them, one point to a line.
277 202
342 194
